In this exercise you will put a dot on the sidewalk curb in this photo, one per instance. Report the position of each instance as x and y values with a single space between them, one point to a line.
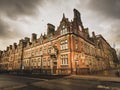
109 79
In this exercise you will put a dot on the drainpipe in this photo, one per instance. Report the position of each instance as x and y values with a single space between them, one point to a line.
70 36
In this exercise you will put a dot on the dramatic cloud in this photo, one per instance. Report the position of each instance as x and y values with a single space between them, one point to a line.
7 32
16 8
109 8
10 13
20 18
115 33
103 16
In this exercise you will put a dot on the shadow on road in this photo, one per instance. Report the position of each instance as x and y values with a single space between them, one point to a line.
31 87
49 77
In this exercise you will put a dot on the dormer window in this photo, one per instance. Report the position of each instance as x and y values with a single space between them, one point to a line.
64 30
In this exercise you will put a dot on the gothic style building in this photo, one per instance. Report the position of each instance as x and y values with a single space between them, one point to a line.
67 50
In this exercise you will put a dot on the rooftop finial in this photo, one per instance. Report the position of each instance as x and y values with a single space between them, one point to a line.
63 16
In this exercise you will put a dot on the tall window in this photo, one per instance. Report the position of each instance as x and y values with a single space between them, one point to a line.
40 51
49 49
36 52
64 30
39 61
48 61
64 45
76 44
64 59
34 63
45 50
32 53
44 62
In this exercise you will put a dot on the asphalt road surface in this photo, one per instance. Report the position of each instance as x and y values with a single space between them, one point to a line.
9 82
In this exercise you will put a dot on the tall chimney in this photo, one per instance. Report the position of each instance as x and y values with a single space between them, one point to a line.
7 48
21 41
93 34
15 45
50 29
34 37
10 46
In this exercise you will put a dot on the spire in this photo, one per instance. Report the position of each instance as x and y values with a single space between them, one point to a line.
63 16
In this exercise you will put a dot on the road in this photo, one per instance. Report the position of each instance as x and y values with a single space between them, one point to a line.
26 83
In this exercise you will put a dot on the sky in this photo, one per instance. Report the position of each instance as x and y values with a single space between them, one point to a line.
21 18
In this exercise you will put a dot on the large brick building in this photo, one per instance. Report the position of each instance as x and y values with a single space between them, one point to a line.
67 50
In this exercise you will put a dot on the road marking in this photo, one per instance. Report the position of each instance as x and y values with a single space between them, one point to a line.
102 86
106 87
12 87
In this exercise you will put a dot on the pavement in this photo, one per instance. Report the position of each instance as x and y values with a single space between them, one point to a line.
92 77
102 76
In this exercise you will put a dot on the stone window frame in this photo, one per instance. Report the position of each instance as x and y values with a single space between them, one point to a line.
44 62
64 59
64 44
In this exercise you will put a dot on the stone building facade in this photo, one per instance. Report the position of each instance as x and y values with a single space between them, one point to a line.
67 50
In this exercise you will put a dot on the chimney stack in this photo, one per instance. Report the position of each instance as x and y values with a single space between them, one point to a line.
15 45
10 46
7 48
21 41
93 34
50 29
34 37
27 39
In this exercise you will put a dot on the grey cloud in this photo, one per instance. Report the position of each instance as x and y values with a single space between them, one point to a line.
16 8
13 9
107 12
6 32
109 8
115 33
